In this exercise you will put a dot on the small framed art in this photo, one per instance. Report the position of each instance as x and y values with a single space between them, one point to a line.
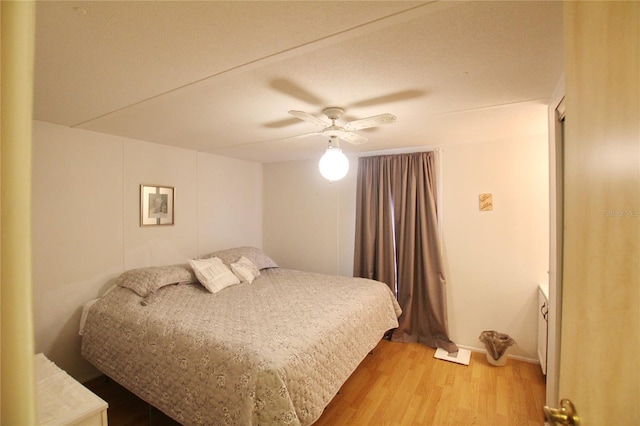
486 202
156 205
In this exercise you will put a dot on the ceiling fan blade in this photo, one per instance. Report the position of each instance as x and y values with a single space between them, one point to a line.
365 123
305 116
352 138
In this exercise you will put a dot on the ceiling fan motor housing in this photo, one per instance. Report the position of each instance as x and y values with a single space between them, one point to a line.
334 113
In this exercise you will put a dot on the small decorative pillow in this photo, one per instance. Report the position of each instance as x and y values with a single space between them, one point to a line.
213 274
145 281
245 270
255 255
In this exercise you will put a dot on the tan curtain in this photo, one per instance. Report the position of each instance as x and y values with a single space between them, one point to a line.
374 251
397 242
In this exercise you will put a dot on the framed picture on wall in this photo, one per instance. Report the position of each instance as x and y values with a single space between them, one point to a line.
156 205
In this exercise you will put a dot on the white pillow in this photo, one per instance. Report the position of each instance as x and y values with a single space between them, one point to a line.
213 274
245 269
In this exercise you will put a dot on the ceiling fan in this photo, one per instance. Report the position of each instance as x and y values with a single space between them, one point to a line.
345 133
334 165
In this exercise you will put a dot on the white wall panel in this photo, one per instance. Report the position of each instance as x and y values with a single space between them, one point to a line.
147 163
229 203
86 221
495 259
304 223
77 233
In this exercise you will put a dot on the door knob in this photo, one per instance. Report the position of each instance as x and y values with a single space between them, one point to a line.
565 415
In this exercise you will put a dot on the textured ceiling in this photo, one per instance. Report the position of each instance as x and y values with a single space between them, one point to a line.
220 76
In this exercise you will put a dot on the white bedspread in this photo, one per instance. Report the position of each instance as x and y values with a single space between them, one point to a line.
272 352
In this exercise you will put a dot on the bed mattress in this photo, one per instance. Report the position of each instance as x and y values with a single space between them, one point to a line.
275 351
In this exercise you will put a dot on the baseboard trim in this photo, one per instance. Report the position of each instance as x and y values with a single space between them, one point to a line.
516 357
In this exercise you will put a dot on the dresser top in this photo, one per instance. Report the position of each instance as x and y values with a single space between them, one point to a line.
60 399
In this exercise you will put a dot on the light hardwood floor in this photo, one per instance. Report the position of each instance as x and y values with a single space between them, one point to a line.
402 384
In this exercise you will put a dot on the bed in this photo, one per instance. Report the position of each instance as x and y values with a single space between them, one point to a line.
275 350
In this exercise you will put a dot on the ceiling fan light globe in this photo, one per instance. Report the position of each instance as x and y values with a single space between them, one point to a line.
333 165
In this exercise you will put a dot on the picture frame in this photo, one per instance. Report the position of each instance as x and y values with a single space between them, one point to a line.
157 205
486 202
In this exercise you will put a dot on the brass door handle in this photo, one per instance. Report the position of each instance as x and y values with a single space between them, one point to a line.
565 415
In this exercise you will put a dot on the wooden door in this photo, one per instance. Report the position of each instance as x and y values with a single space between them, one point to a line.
600 315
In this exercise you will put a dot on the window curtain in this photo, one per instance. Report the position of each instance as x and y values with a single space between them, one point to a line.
397 242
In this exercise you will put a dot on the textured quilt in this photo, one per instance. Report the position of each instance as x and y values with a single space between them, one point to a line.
275 351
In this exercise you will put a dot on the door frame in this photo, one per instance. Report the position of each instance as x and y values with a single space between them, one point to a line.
556 115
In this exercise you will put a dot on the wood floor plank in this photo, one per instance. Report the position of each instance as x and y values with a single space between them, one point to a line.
403 384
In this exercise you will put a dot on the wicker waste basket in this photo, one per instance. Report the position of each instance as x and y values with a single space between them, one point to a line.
497 345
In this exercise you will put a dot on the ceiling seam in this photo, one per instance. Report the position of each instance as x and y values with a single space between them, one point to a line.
391 19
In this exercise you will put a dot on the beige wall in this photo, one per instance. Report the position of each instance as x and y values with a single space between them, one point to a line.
494 260
309 222
86 221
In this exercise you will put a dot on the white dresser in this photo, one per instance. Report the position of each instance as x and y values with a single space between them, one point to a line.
543 311
61 401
